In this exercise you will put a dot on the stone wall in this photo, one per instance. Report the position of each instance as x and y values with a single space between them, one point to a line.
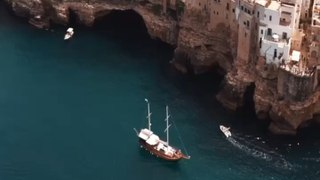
295 88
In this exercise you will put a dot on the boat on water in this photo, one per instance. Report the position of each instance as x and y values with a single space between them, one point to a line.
69 33
152 143
225 130
39 22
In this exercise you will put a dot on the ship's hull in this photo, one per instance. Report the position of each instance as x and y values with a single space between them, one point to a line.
158 153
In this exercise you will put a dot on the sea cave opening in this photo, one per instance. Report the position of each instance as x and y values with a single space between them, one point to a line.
248 103
247 117
310 128
128 28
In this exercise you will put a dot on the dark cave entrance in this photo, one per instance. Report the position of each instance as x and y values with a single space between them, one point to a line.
246 116
248 109
129 29
123 24
73 18
310 128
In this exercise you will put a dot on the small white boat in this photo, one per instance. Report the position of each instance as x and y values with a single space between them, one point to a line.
68 34
225 130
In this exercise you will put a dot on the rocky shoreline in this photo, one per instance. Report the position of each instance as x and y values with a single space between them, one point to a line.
199 48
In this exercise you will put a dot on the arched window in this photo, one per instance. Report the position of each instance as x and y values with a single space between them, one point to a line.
313 54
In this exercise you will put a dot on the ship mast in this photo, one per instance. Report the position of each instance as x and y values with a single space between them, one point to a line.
149 114
168 125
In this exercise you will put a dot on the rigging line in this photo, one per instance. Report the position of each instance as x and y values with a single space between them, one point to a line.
183 146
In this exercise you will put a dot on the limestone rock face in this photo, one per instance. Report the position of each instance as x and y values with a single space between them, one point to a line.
198 49
161 27
232 94
27 8
200 46
58 11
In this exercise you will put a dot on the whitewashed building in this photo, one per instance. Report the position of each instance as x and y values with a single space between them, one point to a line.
278 22
305 14
314 48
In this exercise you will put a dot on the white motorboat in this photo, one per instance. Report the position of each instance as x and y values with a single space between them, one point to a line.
68 34
225 130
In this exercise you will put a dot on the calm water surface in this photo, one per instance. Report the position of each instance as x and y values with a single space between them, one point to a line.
68 109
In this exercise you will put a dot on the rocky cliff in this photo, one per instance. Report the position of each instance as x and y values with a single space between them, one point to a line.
198 50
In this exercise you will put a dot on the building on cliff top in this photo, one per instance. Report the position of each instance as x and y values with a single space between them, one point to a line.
278 31
247 30
314 38
268 29
305 9
297 80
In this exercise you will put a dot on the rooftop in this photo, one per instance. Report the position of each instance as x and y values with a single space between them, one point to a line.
262 2
274 5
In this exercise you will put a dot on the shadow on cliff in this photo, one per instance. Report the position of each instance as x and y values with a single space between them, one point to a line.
5 8
129 30
310 129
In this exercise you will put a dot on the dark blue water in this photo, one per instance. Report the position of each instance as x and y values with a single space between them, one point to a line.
68 109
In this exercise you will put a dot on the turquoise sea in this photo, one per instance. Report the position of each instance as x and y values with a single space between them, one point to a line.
68 109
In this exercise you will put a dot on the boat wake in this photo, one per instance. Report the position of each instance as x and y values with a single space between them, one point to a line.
317 160
260 152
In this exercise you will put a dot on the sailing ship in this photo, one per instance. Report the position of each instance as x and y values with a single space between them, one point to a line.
152 143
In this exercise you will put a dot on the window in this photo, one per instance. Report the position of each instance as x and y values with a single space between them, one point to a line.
313 54
248 23
284 35
269 32
270 18
262 31
227 6
260 42
241 7
258 14
233 10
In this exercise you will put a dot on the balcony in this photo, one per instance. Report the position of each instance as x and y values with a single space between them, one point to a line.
284 22
276 38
